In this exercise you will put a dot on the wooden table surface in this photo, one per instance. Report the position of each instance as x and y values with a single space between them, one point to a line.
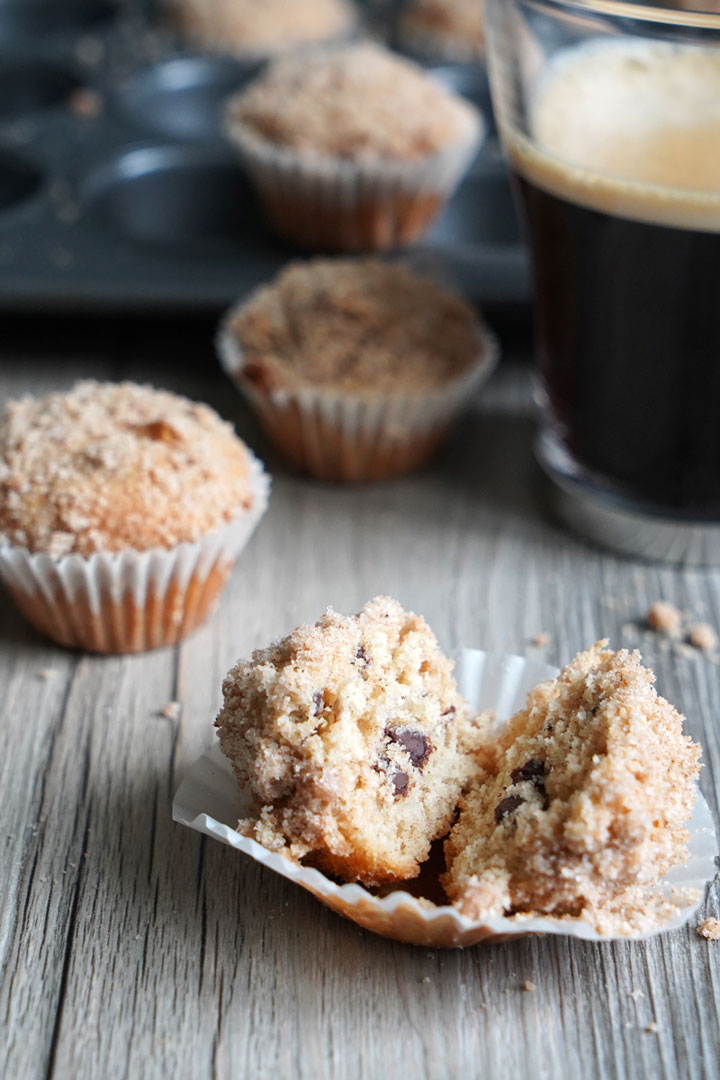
132 947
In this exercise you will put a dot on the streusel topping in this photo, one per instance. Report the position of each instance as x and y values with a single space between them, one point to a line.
355 324
358 101
264 27
453 20
107 467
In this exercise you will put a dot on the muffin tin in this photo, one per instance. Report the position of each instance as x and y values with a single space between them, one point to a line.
118 191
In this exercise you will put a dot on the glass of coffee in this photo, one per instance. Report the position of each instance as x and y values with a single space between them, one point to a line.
609 112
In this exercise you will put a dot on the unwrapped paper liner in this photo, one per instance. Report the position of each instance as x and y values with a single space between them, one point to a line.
130 601
210 801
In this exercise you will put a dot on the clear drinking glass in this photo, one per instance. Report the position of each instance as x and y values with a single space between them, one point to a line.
609 112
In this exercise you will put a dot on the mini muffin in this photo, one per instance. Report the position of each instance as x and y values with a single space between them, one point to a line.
122 510
352 149
587 806
356 367
353 741
451 30
263 28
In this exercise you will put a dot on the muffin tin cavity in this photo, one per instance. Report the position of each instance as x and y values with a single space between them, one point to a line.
190 199
19 179
28 85
34 18
183 98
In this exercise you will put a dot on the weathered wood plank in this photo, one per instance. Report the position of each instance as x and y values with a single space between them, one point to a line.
161 954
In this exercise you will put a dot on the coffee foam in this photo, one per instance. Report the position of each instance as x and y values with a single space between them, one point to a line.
630 128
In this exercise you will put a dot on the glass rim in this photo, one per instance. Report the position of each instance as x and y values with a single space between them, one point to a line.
635 10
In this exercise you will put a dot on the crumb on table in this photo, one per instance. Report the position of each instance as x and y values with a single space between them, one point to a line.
709 929
703 637
664 617
540 639
528 986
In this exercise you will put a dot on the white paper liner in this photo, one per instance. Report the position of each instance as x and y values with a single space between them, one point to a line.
368 204
343 436
209 801
116 602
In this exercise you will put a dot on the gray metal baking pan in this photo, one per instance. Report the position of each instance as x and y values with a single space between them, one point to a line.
118 192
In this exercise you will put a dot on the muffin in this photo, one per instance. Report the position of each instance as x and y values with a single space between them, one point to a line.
352 149
444 30
122 509
587 805
263 28
353 742
356 367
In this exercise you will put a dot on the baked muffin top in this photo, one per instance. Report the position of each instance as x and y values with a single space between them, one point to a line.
357 325
264 27
452 21
353 102
116 466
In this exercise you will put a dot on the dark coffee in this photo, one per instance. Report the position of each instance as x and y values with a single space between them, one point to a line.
627 322
621 186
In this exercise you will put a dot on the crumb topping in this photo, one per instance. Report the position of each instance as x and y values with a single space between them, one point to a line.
354 102
264 26
357 325
463 20
110 467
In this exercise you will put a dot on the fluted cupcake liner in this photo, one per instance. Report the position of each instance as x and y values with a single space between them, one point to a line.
210 801
133 600
346 437
327 203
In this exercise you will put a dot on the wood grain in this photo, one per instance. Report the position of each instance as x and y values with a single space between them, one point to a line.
131 947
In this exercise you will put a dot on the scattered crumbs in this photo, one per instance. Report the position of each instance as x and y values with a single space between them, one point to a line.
62 258
541 639
710 930
637 995
627 629
138 937
171 711
664 617
46 673
528 986
703 637
85 103
86 854
430 955
652 1028
72 865
425 979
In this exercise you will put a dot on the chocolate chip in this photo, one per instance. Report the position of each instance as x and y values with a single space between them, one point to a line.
506 806
400 781
417 745
450 712
318 702
532 770
361 655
